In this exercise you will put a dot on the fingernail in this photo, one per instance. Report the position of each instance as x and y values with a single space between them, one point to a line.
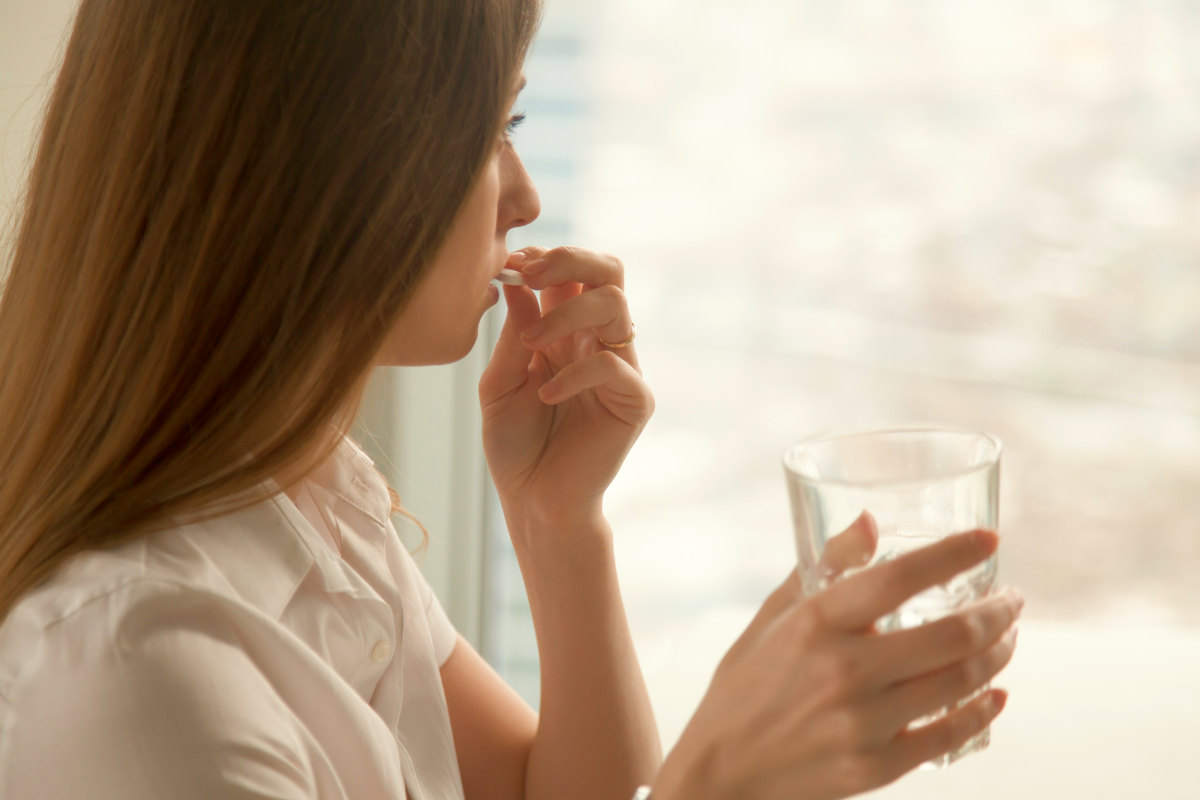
1011 596
535 267
997 700
517 257
534 331
547 390
986 540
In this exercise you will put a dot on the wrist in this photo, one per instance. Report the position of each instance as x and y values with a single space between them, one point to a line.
554 533
523 511
563 567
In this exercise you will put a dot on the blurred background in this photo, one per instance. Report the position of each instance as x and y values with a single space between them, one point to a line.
847 214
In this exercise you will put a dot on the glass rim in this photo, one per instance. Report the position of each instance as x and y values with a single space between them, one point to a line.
859 433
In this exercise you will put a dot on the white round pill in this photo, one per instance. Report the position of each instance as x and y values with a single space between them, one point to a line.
511 277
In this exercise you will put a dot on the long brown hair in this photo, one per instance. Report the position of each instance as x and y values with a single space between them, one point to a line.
229 206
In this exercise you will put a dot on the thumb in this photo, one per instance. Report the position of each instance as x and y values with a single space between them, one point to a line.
852 548
509 365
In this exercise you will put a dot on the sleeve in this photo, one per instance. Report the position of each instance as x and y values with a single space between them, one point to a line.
182 713
441 629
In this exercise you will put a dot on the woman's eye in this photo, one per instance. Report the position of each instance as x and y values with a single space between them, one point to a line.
513 123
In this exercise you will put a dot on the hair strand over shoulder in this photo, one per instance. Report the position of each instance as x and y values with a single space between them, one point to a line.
229 206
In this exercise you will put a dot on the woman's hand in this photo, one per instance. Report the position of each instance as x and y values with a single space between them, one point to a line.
560 409
811 703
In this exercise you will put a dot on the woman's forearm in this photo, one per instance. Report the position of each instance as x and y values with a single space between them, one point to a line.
596 736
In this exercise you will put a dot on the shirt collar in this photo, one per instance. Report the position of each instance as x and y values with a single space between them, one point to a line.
265 551
351 475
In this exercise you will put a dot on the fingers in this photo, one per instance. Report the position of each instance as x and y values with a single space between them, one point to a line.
603 311
510 360
854 603
946 687
916 651
878 719
619 387
523 311
851 548
544 268
562 275
550 296
915 746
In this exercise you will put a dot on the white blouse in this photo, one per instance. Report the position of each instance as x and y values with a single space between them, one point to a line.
290 650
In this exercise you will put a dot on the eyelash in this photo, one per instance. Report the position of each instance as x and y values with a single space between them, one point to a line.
513 123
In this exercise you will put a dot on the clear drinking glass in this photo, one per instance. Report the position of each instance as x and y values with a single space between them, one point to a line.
920 484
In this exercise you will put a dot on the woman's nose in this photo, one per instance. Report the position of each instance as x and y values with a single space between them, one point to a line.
519 203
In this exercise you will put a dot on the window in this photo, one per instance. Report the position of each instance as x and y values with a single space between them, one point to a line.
845 214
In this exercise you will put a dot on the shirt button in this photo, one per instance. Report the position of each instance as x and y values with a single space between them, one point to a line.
381 652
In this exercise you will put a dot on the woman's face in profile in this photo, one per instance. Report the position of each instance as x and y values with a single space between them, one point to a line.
441 322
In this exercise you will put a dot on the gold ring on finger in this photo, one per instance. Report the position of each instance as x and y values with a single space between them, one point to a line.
621 345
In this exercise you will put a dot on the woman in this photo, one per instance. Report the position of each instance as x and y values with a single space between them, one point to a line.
237 211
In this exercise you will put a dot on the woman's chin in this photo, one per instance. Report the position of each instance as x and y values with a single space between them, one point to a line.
446 351
429 343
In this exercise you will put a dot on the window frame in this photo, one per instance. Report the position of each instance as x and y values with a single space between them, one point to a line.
422 427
